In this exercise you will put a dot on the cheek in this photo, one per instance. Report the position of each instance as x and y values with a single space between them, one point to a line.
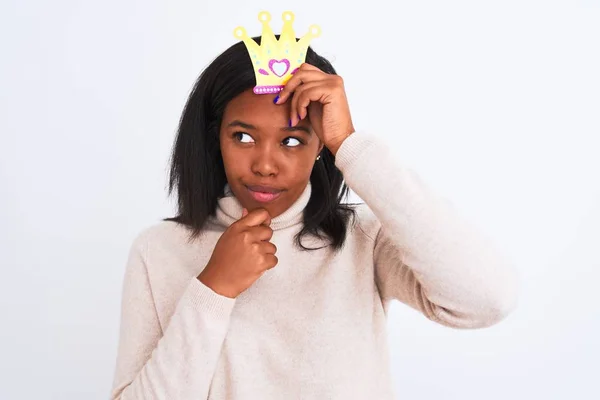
301 166
231 161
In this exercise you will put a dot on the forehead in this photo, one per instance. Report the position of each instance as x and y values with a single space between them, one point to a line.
255 108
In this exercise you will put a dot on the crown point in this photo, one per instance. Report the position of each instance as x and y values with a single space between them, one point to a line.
264 17
315 30
288 16
239 32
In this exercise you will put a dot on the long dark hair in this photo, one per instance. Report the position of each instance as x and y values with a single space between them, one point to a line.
197 172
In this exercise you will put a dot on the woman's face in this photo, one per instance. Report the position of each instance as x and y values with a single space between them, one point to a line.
262 154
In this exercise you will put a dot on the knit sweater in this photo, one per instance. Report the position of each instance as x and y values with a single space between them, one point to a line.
314 326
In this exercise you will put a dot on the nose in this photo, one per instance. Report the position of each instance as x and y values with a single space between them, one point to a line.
265 162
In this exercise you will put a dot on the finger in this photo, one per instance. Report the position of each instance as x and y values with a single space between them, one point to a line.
272 260
314 93
256 217
261 233
244 212
309 67
268 248
300 102
296 80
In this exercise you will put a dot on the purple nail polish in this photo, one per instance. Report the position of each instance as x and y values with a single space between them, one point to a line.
276 99
290 123
299 118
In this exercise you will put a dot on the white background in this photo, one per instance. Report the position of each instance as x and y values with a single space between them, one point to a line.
495 103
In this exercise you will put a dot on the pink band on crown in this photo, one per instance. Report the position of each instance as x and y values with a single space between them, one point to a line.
268 89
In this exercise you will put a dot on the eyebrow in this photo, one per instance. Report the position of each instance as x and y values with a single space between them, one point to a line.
252 127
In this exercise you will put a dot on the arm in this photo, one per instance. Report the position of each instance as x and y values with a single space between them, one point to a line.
425 254
176 364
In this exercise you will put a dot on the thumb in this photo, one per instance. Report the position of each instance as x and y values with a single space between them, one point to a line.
244 212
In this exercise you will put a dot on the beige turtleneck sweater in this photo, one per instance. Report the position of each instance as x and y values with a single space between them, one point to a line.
313 327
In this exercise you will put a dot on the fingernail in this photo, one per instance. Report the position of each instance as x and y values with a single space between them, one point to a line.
299 118
290 123
276 99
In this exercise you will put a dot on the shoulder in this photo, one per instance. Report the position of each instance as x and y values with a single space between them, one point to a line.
366 223
171 253
162 235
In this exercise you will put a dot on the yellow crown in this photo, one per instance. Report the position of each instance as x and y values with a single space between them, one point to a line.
275 61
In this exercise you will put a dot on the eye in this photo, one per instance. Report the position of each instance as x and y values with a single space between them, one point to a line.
237 135
299 142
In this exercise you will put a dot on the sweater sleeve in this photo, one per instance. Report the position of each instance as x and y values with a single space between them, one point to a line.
176 364
425 254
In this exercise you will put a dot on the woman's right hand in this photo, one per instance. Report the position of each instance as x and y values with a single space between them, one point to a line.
242 254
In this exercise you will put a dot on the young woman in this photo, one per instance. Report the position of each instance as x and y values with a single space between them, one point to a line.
265 285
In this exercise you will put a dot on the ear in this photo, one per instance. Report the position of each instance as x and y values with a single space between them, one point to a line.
320 148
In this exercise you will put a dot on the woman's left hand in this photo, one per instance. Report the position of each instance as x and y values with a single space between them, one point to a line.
322 97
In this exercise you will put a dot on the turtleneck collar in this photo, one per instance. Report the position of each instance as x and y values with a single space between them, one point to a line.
229 210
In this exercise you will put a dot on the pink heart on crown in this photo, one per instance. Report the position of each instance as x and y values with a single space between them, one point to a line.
279 67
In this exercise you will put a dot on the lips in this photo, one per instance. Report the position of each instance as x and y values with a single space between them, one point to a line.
264 189
264 194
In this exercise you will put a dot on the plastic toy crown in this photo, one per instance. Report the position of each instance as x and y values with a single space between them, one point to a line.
275 61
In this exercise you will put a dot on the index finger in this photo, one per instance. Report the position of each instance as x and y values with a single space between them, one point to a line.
256 217
301 76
